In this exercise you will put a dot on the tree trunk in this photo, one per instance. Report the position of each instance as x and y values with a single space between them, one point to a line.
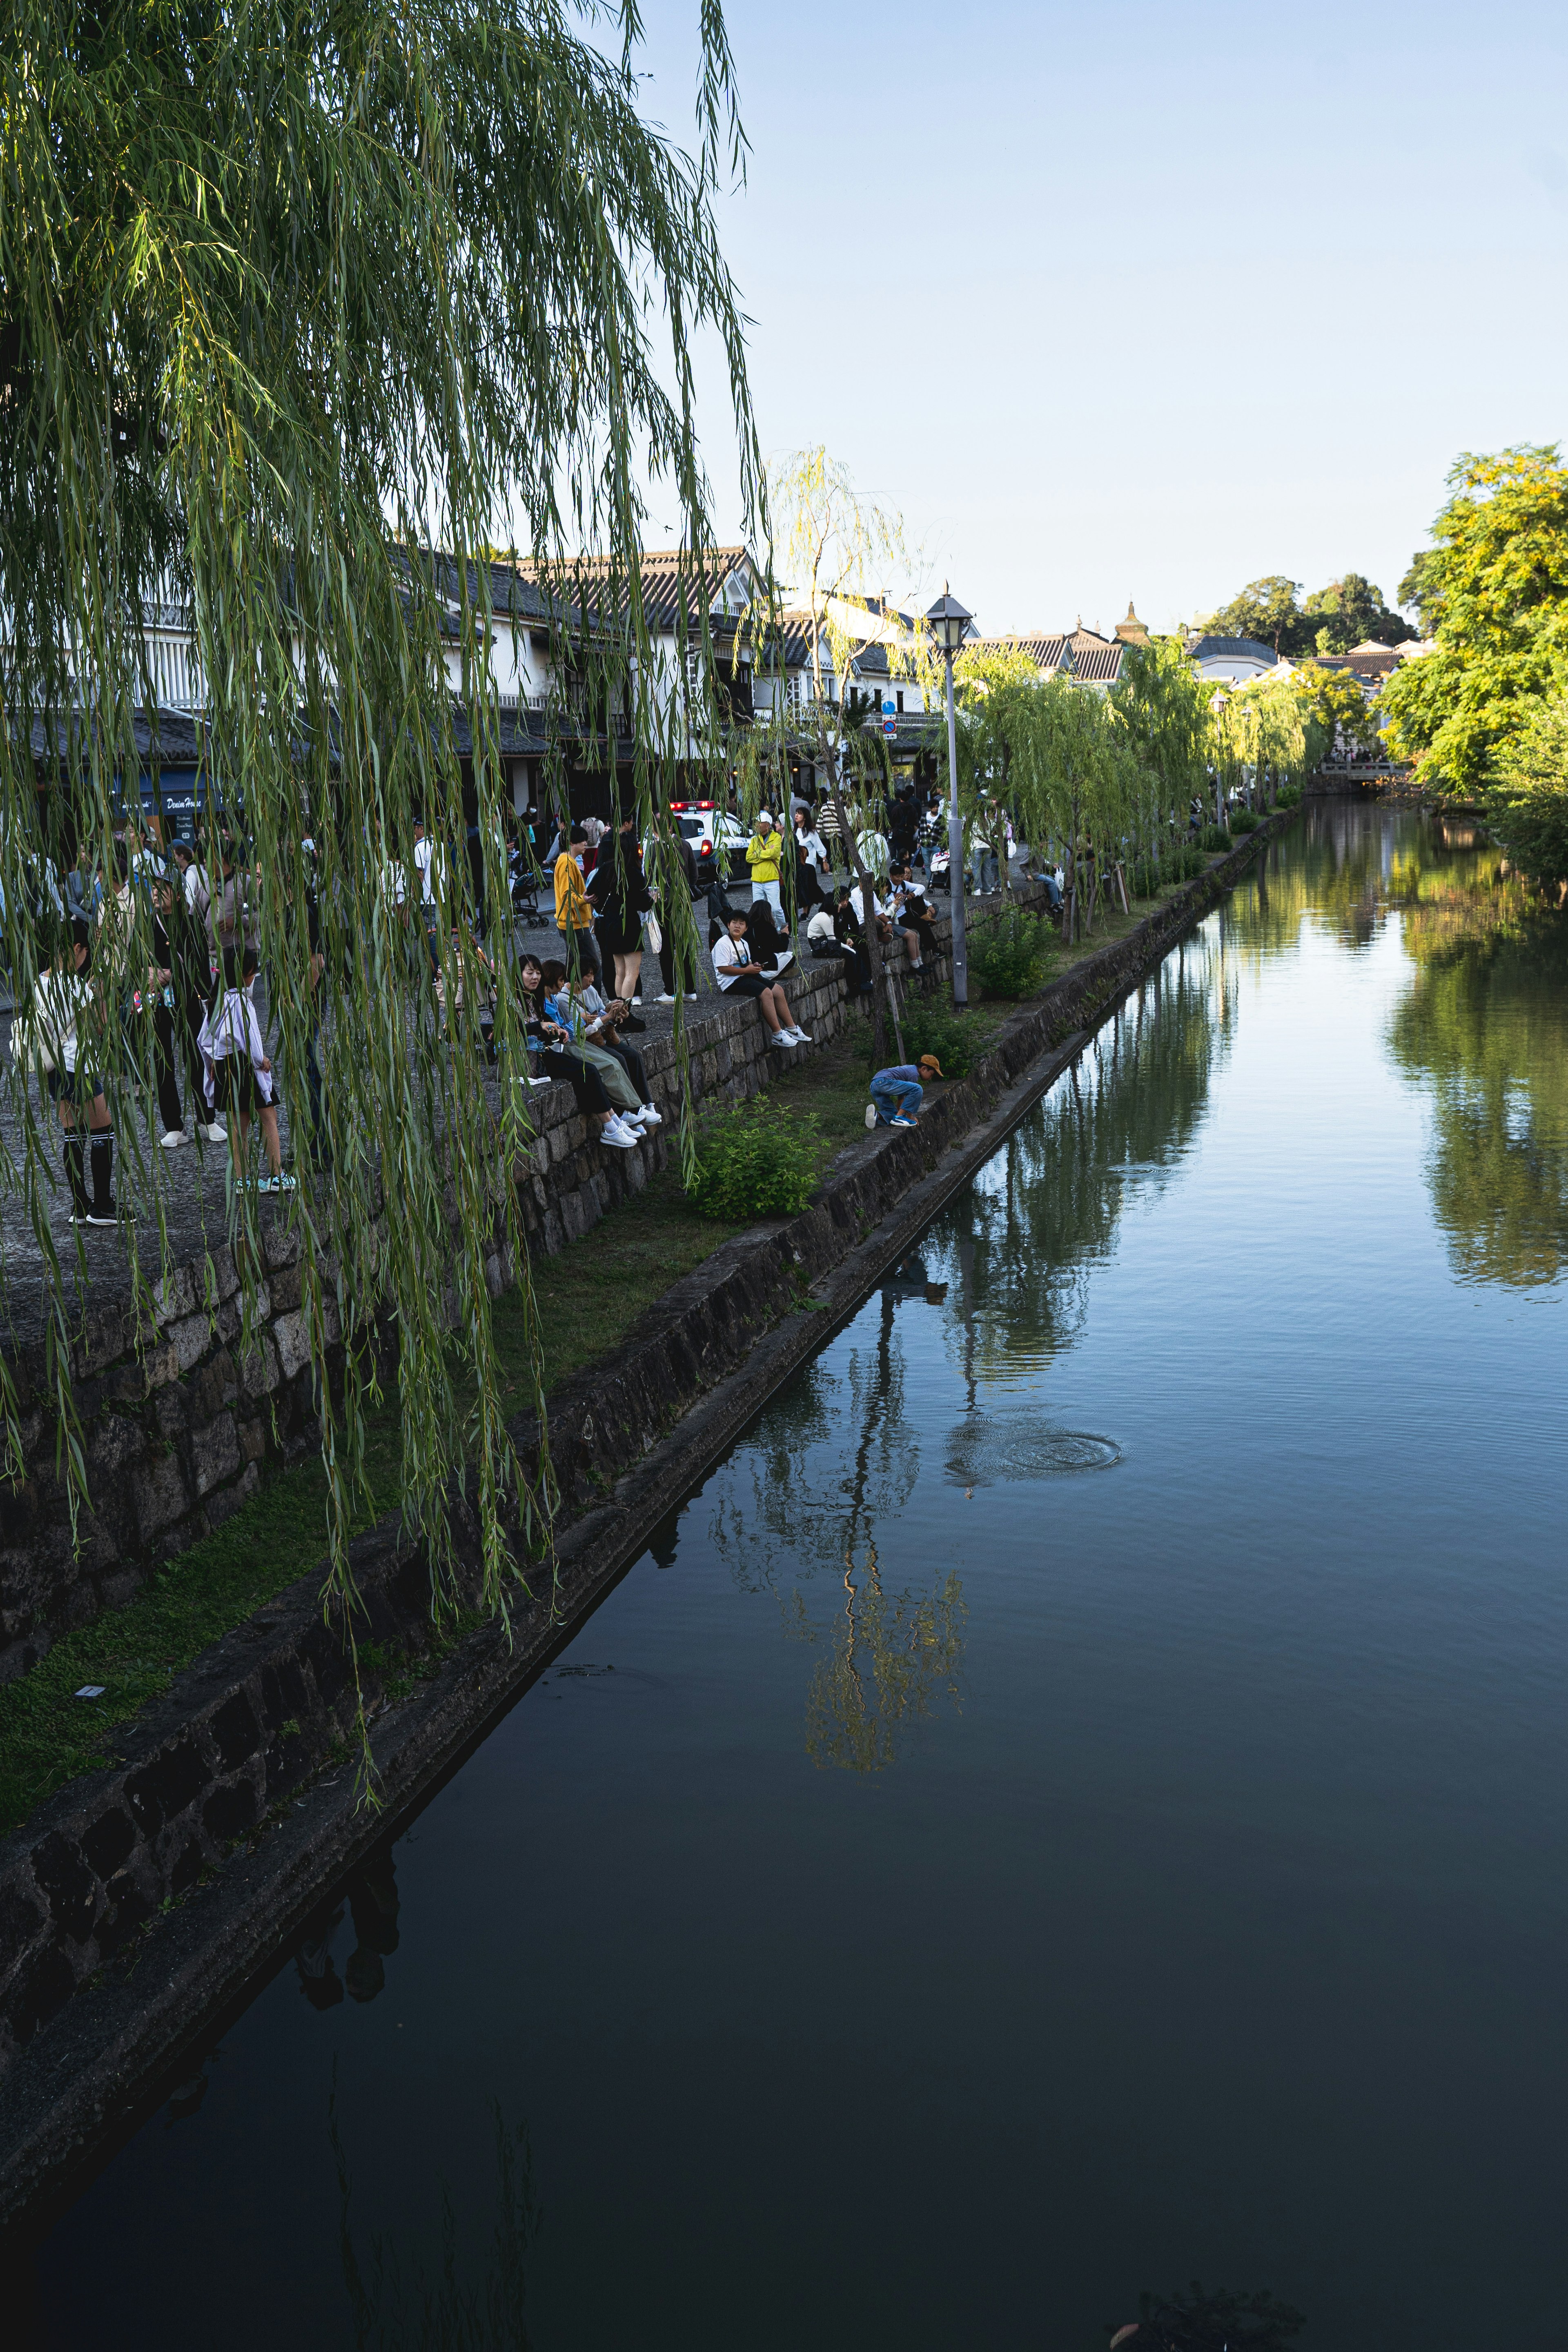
867 901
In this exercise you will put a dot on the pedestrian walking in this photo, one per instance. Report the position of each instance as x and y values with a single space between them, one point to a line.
237 1072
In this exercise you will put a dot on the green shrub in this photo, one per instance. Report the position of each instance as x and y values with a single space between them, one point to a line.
1213 837
931 1028
1245 820
755 1160
1010 953
1288 796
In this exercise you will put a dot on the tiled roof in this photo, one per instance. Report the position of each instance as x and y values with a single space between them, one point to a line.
1217 648
673 580
1096 660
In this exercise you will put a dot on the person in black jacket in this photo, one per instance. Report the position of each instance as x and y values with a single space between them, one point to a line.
621 897
686 861
179 983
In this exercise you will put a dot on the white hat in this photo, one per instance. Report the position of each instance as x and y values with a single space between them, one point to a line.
763 817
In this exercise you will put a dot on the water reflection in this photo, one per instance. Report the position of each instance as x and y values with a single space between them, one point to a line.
373 1906
1483 1028
400 2304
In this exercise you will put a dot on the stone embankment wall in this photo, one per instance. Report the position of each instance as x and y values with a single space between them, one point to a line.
260 1714
178 1419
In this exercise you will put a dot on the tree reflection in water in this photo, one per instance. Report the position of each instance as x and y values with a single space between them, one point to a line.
400 2304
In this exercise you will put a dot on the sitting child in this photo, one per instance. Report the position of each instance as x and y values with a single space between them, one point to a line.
897 1093
737 973
235 1072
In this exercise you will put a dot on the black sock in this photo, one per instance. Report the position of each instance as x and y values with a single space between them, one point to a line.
75 1174
102 1171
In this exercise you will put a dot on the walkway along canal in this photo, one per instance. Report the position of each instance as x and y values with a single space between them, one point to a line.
1075 1801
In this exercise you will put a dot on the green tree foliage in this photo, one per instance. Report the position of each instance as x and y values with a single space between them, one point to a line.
287 299
1332 619
1527 804
1419 591
1268 610
1497 581
1350 612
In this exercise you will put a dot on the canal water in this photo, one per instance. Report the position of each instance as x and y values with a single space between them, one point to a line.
1077 1802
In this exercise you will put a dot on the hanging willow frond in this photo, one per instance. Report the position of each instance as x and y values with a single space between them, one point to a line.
305 309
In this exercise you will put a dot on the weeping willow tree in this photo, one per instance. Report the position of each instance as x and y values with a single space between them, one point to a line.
305 310
830 546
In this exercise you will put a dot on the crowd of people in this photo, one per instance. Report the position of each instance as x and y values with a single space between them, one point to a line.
173 928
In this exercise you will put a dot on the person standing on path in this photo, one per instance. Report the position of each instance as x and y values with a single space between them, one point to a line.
676 849
764 852
50 1037
574 916
180 973
236 1071
620 898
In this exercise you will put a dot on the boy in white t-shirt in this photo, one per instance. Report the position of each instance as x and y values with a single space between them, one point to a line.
737 975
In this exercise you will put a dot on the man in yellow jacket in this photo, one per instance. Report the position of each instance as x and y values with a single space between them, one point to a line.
764 853
573 915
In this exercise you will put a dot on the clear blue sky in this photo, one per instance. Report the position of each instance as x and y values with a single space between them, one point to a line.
1140 300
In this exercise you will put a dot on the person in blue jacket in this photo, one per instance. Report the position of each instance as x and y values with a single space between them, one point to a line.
897 1093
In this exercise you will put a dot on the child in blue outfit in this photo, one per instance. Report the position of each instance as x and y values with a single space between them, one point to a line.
897 1093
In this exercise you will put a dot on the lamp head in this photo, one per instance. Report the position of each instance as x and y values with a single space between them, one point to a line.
948 620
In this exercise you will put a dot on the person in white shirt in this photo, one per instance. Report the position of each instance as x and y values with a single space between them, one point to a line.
737 975
48 1036
237 1072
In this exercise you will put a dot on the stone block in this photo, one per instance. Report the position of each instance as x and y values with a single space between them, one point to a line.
107 1841
292 1337
161 1789
224 1504
212 1386
66 1884
113 1445
41 1990
252 1436
215 1453
235 1733
190 1340
260 1371
285 1288
222 1278
175 1296
158 1495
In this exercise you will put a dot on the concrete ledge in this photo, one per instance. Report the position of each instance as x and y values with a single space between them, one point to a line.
225 1796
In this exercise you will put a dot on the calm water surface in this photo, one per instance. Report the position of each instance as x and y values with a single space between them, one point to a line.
1079 1798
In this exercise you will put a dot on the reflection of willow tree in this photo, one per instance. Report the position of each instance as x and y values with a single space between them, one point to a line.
399 2305
1486 1028
782 1501
1054 1196
889 1652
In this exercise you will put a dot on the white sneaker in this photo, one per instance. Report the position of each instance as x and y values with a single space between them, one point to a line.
615 1132
173 1139
800 1036
690 996
651 1117
663 999
871 1114
782 1037
212 1132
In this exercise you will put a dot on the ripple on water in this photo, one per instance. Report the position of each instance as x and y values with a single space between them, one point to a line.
1020 1447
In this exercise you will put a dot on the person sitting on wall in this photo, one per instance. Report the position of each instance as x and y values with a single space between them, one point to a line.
913 916
827 935
770 947
897 1092
739 974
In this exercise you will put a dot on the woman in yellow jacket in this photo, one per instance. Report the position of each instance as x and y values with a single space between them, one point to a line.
765 855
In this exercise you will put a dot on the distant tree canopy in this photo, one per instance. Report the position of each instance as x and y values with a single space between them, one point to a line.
1332 620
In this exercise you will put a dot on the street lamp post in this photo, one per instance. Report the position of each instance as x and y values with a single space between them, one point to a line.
949 620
